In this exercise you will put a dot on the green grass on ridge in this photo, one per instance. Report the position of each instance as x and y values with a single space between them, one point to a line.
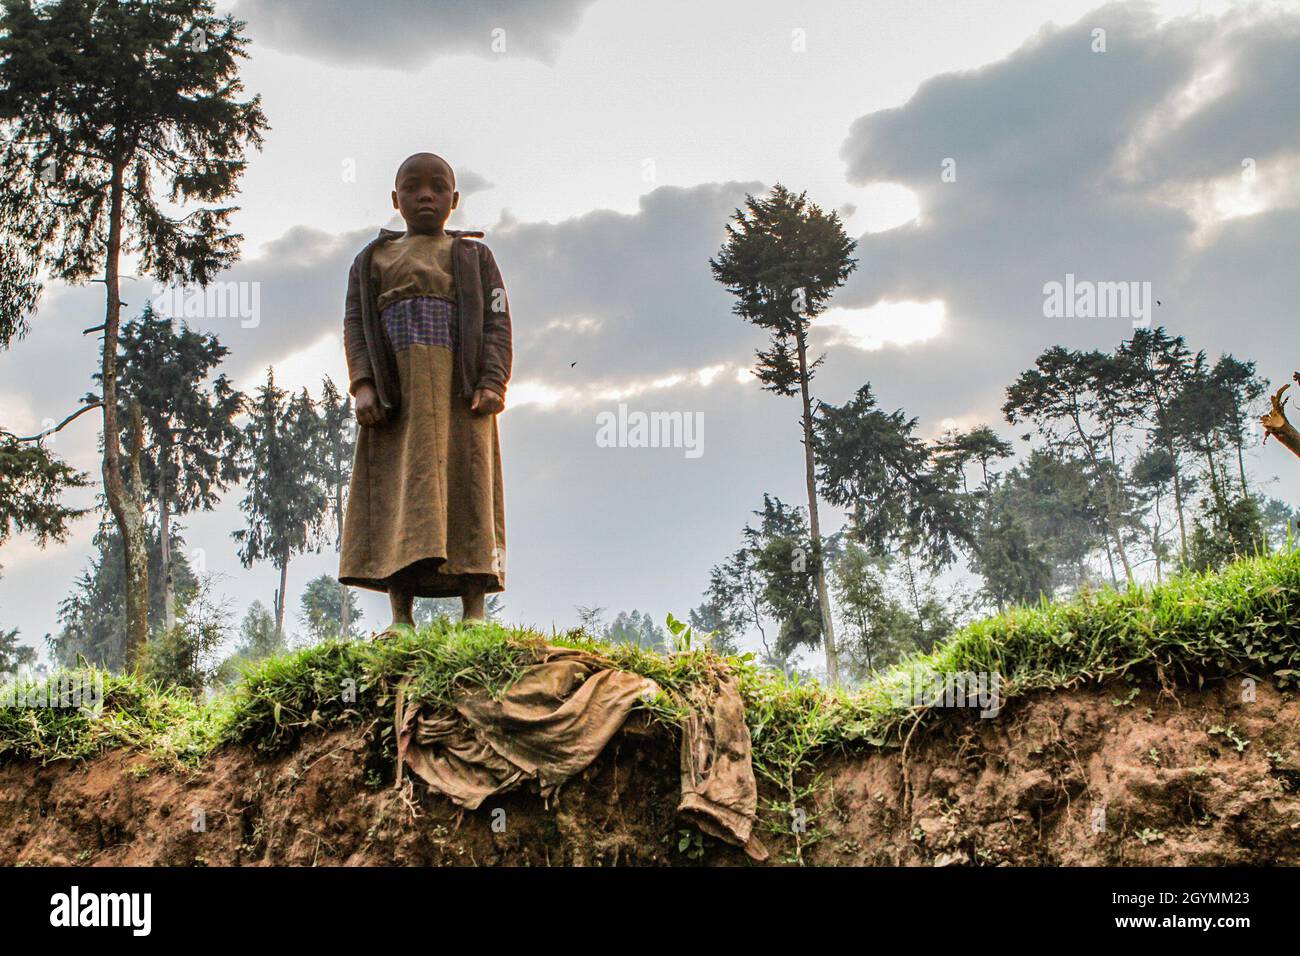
1244 620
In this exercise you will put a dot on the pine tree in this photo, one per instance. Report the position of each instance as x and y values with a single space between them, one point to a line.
323 610
780 552
1067 395
92 617
192 446
1158 368
338 443
783 259
101 103
285 503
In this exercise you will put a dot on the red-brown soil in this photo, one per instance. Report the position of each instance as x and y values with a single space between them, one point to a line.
1022 789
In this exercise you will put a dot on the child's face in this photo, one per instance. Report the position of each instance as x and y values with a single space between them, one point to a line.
425 194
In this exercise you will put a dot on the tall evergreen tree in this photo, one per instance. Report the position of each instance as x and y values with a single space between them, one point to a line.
1013 565
324 614
780 550
1201 414
192 445
716 619
783 260
1152 475
286 500
338 445
878 629
734 599
1066 397
1157 368
1241 389
92 617
637 629
102 101
897 493
1063 517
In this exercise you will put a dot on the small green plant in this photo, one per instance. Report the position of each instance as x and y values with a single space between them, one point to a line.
690 843
1231 734
1127 700
683 636
1149 836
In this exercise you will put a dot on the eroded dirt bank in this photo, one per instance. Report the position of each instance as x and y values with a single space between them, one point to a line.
1072 777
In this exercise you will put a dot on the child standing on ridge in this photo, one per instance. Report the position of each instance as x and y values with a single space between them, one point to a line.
427 333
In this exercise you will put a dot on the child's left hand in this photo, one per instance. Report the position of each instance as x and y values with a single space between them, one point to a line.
486 401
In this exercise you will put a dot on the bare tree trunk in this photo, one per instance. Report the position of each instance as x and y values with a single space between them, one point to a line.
1163 421
814 525
1216 486
1110 557
343 588
1178 505
1111 528
125 503
756 612
916 597
165 544
279 599
1118 491
1123 557
1155 538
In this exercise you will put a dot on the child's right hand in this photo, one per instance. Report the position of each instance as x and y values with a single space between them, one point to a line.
369 411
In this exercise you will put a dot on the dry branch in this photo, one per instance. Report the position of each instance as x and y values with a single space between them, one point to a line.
1275 422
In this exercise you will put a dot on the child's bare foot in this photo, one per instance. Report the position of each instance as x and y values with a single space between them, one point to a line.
403 604
472 607
390 631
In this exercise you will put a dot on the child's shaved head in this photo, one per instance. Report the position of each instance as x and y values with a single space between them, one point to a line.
423 158
425 192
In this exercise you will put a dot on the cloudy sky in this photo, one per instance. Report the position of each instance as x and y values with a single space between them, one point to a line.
602 145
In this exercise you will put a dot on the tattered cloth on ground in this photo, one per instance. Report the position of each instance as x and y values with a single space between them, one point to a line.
555 720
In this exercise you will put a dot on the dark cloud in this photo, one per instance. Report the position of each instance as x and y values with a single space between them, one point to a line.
643 277
408 34
1073 161
1255 112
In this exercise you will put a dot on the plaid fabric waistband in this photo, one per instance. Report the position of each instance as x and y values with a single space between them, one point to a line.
423 320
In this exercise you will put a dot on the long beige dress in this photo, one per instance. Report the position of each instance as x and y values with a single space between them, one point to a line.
425 508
